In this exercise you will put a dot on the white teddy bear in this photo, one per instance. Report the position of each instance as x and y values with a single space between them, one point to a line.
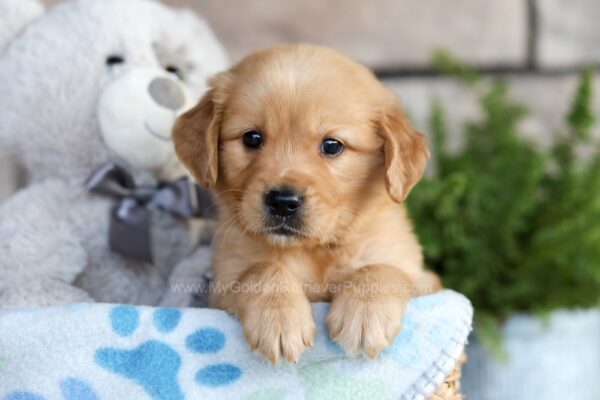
89 91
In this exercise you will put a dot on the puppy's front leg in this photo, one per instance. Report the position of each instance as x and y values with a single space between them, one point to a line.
275 312
367 308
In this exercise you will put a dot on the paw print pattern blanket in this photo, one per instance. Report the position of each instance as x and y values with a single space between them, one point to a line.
103 351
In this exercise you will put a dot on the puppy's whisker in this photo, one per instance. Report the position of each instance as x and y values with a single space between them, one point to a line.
235 221
221 193
211 207
223 226
349 210
227 228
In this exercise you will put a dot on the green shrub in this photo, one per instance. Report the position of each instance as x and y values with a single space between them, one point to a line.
511 226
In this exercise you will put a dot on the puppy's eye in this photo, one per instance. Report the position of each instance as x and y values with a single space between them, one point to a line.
331 147
114 60
253 139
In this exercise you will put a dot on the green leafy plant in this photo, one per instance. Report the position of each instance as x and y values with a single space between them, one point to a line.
513 227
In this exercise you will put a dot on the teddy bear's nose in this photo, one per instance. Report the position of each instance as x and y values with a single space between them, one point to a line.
167 93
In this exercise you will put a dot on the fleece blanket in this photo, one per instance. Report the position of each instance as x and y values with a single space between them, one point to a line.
104 351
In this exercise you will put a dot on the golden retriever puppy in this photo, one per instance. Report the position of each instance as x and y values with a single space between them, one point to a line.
310 157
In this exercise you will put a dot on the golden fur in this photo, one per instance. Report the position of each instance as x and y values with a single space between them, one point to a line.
357 248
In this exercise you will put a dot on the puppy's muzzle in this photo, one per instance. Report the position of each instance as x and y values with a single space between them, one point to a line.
283 202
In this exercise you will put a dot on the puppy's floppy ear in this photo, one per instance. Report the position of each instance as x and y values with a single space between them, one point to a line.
196 139
405 152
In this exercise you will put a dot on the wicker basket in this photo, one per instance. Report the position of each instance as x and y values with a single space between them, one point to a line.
450 389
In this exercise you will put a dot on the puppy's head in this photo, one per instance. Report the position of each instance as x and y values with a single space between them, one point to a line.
297 141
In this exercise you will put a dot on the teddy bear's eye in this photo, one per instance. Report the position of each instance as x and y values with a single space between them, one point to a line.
172 69
114 60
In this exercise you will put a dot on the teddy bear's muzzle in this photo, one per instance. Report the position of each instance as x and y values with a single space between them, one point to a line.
136 113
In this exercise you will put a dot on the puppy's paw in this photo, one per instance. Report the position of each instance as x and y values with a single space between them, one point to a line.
366 325
280 332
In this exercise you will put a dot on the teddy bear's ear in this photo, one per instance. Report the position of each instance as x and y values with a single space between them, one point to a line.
16 15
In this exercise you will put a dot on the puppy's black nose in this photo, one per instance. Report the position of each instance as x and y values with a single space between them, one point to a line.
283 202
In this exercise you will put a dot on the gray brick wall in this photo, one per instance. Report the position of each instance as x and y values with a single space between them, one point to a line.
568 33
547 96
537 45
384 34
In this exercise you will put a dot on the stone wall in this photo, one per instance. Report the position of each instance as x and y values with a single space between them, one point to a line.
539 46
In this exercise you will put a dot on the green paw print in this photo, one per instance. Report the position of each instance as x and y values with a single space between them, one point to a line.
2 364
324 384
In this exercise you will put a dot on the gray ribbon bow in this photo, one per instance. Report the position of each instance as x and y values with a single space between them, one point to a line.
130 217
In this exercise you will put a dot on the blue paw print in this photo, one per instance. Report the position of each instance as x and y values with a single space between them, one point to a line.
153 364
71 389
